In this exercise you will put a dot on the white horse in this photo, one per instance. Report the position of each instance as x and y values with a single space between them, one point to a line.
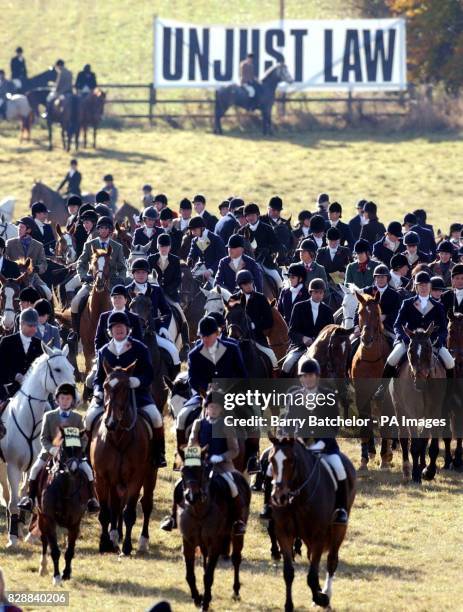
23 418
7 206
7 230
215 299
18 108
349 304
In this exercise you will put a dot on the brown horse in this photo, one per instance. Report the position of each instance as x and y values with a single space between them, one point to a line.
206 522
62 501
9 302
277 336
367 367
303 502
128 214
415 396
52 200
120 455
123 236
91 113
455 346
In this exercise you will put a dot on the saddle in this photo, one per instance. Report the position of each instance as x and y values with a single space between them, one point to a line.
83 303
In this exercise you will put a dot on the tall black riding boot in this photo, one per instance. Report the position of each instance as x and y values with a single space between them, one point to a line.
75 322
239 524
28 502
340 516
170 522
159 447
267 510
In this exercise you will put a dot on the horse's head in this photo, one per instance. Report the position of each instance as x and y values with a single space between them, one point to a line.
26 267
59 370
284 74
119 411
9 302
69 440
99 266
420 357
195 475
455 340
282 458
238 323
369 318
124 237
180 393
142 306
349 304
65 249
215 298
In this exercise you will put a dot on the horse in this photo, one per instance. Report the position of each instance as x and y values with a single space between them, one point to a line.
7 206
7 229
455 346
91 113
277 335
62 501
141 305
52 200
19 109
65 111
303 502
239 327
367 367
22 418
415 397
9 304
123 236
345 315
234 95
41 80
38 98
206 522
121 458
192 299
129 214
65 249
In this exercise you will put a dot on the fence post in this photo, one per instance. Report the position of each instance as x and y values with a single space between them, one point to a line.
151 102
349 107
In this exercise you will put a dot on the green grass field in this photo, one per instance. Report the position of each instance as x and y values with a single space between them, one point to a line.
403 545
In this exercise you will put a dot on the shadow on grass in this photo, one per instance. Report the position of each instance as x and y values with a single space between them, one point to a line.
128 157
133 588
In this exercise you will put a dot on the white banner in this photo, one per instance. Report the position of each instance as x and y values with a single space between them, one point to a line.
362 54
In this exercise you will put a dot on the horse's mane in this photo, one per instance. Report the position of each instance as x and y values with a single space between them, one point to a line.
36 364
269 71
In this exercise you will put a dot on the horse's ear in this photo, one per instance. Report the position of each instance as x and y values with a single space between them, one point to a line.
430 329
65 350
218 289
204 291
450 314
360 298
106 367
409 332
117 226
28 264
59 231
145 247
110 249
168 382
46 349
377 296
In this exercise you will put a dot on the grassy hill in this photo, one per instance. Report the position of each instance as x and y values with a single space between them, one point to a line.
115 36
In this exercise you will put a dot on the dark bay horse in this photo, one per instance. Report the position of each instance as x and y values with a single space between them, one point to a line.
367 368
418 393
206 522
455 411
192 300
52 200
62 501
64 111
303 502
91 113
120 455
234 95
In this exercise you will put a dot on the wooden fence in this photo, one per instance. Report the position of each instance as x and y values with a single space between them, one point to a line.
134 101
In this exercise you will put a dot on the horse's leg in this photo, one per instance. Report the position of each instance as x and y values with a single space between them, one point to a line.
147 507
386 453
430 470
415 449
237 547
286 547
73 532
458 457
189 556
50 136
43 570
212 559
104 518
94 137
274 549
405 458
55 551
314 554
448 453
115 509
130 516
14 478
364 457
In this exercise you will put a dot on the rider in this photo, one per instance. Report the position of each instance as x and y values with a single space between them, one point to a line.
123 351
18 70
6 87
117 267
119 298
280 226
73 204
63 85
161 310
213 358
412 252
307 251
248 79
334 220
86 81
443 265
43 232
199 204
360 272
148 231
17 353
8 268
73 179
334 257
453 298
166 219
206 248
236 261
295 293
263 240
418 312
307 320
259 311
183 220
63 416
389 301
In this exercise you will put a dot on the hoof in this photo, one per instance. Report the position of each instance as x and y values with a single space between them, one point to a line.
236 597
198 601
143 545
363 467
276 555
56 580
13 541
429 473
385 466
322 600
448 465
66 575
43 571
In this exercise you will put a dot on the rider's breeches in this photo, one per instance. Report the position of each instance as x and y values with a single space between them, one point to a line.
228 477
40 463
166 344
292 358
270 354
336 463
400 349
273 272
95 410
83 292
73 284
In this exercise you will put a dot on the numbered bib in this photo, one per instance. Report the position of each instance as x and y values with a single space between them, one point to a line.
71 436
193 456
